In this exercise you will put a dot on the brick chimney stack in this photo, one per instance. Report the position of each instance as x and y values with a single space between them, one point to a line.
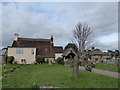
51 39
16 37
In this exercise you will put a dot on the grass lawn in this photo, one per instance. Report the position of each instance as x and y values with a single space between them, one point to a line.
56 76
105 67
0 76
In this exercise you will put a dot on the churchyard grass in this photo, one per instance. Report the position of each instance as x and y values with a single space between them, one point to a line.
57 76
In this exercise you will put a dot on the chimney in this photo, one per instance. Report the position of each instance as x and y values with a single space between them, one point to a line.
16 37
51 39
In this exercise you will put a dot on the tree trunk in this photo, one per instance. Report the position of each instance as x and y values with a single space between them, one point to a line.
75 68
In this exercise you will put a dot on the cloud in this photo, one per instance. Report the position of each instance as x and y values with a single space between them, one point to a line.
106 43
43 19
0 25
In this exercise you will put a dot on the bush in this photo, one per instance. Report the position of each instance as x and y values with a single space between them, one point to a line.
10 59
15 62
40 60
59 60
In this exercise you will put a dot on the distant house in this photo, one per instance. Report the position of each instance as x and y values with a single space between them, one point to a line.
93 55
26 50
58 51
96 55
99 56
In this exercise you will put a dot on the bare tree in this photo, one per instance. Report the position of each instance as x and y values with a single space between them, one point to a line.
83 36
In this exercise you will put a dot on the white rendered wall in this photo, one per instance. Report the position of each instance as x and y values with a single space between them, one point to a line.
58 55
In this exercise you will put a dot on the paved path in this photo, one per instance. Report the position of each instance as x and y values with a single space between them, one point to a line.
103 72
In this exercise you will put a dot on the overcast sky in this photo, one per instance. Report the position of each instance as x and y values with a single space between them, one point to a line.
43 19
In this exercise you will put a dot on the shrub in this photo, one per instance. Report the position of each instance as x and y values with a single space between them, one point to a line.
40 60
10 59
59 60
15 62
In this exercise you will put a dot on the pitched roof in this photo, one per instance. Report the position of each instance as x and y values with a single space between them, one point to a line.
33 39
58 49
28 42
96 52
44 47
68 50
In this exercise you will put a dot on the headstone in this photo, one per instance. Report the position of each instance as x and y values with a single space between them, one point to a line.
50 62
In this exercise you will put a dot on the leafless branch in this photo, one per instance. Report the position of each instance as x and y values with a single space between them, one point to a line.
83 34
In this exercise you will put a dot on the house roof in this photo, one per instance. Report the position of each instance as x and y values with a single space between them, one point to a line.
58 49
33 39
68 50
44 47
96 53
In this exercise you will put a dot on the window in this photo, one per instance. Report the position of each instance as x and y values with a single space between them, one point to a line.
23 61
19 51
32 51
